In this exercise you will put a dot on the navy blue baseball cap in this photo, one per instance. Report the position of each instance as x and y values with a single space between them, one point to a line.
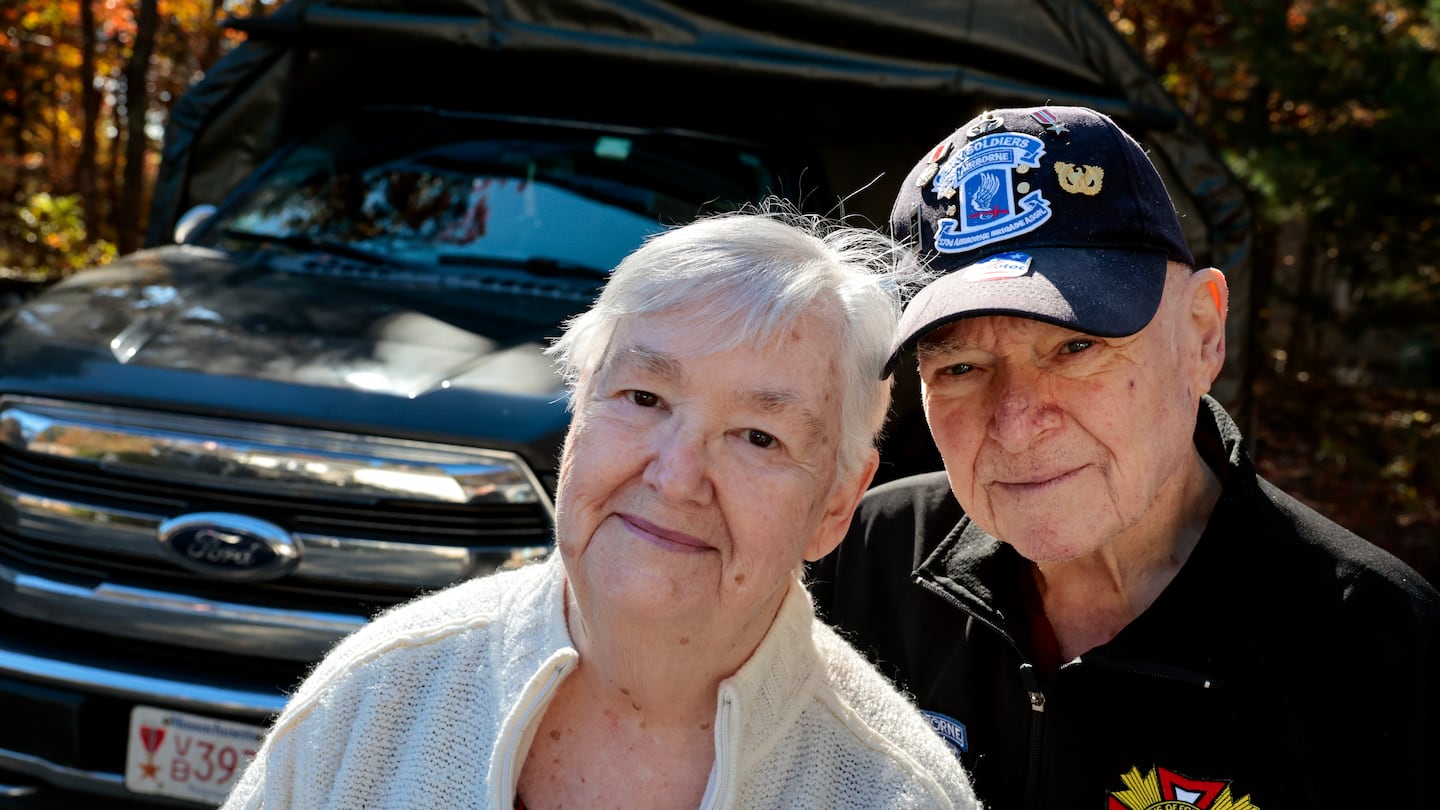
1052 213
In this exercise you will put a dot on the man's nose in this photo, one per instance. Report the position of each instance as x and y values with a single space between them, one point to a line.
1023 410
679 465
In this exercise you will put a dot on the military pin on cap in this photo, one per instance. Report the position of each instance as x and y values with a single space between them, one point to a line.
936 155
989 122
1048 120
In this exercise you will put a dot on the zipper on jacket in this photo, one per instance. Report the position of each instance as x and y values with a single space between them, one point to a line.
1037 711
720 787
1032 688
508 778
1028 681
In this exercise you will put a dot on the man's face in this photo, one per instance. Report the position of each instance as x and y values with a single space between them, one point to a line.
694 482
1058 442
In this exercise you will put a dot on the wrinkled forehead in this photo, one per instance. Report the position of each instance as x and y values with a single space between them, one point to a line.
676 334
985 329
796 364
763 387
699 331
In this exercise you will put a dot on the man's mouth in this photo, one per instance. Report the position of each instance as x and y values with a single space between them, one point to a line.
1037 483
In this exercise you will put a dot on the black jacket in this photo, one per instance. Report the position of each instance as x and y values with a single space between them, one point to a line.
1289 660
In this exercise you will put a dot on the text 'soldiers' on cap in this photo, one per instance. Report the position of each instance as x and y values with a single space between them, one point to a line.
1051 213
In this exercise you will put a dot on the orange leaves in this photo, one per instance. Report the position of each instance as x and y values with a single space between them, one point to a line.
45 229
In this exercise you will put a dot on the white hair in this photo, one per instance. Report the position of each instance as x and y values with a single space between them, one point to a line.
757 271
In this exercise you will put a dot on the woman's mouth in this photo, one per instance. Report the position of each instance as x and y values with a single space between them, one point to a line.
662 537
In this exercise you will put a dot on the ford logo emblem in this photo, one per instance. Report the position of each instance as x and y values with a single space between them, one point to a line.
220 544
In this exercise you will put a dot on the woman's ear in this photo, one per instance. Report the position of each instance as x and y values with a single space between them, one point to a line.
841 508
1209 298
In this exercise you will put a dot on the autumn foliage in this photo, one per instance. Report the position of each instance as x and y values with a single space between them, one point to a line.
1329 112
85 88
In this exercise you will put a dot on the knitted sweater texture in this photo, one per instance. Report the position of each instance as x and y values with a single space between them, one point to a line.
434 704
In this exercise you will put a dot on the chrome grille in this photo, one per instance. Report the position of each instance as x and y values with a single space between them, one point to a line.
84 490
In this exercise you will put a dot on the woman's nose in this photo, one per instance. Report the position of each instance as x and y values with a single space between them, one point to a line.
679 466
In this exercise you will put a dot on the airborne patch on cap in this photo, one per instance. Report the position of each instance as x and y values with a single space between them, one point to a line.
983 173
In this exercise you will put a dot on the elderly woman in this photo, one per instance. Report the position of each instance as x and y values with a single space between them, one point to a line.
726 394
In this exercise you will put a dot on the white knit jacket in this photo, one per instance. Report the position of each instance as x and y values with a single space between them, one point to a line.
434 704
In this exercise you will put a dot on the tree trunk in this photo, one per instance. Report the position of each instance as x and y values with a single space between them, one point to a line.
212 44
60 183
89 121
128 234
1302 342
115 160
15 79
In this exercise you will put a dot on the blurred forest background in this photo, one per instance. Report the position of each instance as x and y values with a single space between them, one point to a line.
1327 110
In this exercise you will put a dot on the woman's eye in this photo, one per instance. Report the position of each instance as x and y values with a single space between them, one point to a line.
644 399
759 438
1075 346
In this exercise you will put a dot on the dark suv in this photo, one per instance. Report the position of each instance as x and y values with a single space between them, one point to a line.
218 457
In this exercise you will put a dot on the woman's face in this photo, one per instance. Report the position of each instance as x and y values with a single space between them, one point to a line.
694 482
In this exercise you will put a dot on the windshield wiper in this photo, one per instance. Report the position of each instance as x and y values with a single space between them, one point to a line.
537 266
307 242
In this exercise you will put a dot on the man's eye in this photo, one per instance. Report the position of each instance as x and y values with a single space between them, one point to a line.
957 369
1075 346
759 438
644 399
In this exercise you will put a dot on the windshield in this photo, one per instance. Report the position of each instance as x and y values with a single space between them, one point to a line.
418 187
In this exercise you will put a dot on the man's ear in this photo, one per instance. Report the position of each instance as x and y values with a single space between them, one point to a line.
1209 298
841 508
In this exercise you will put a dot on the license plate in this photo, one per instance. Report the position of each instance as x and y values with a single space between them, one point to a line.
186 756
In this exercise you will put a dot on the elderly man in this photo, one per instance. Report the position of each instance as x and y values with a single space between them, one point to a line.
726 391
1098 602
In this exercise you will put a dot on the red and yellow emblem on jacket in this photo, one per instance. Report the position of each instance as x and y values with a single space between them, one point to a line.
1163 789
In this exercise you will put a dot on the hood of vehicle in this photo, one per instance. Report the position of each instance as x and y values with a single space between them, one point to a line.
310 320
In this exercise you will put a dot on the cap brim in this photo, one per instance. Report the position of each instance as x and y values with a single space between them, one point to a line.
1106 293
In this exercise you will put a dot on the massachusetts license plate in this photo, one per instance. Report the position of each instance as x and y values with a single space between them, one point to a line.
186 756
